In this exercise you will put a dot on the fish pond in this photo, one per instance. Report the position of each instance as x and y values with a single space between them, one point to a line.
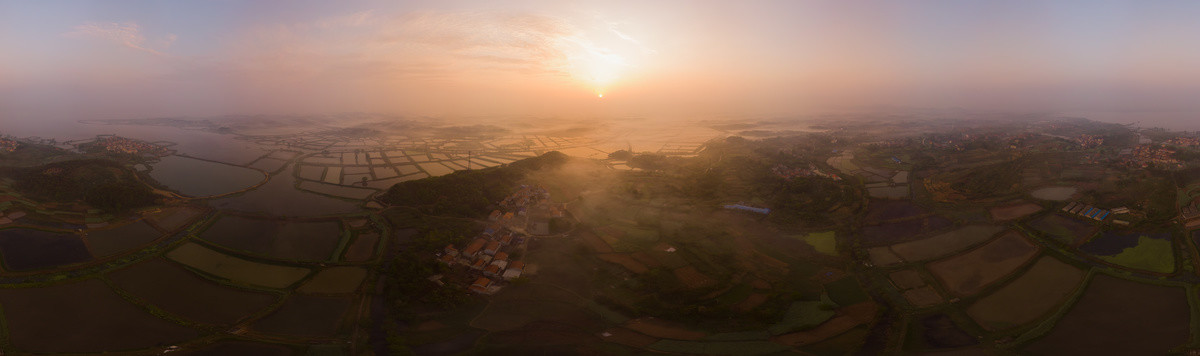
200 178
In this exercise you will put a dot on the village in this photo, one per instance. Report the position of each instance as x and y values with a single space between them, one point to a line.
8 145
490 260
118 144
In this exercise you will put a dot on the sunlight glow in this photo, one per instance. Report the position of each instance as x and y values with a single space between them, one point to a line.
602 58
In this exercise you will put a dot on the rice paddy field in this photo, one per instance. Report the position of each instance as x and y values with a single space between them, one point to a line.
306 241
174 289
883 256
945 243
1032 296
885 210
1120 317
968 273
907 230
84 316
281 198
307 315
28 249
243 348
1053 193
335 280
897 192
824 242
1148 252
116 240
1068 231
363 247
235 269
337 190
173 218
1013 212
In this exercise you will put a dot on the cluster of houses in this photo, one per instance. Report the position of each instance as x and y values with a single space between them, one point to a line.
1094 213
524 197
8 145
1190 215
1144 156
489 254
124 145
1088 141
789 173
1184 141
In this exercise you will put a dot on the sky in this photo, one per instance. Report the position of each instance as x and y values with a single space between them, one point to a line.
594 59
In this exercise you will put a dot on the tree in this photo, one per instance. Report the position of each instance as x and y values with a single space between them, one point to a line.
622 155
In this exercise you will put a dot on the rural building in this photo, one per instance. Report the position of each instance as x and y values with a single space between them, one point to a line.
492 248
491 229
474 247
481 285
514 270
492 271
748 208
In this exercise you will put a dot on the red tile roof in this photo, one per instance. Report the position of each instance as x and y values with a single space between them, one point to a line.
474 247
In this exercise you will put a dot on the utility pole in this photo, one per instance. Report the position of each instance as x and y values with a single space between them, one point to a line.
469 160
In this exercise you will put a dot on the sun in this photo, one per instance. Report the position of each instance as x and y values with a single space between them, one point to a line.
597 68
602 57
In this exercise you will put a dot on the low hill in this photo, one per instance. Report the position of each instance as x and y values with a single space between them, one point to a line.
101 183
467 193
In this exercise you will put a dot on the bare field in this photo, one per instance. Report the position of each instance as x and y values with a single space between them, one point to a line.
236 269
1031 296
1120 317
970 272
82 317
181 292
945 243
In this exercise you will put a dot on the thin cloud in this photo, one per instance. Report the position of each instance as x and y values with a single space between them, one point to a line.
127 34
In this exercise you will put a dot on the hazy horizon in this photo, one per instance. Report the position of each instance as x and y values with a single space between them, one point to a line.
113 60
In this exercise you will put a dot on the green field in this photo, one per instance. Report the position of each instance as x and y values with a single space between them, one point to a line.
823 242
1150 254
